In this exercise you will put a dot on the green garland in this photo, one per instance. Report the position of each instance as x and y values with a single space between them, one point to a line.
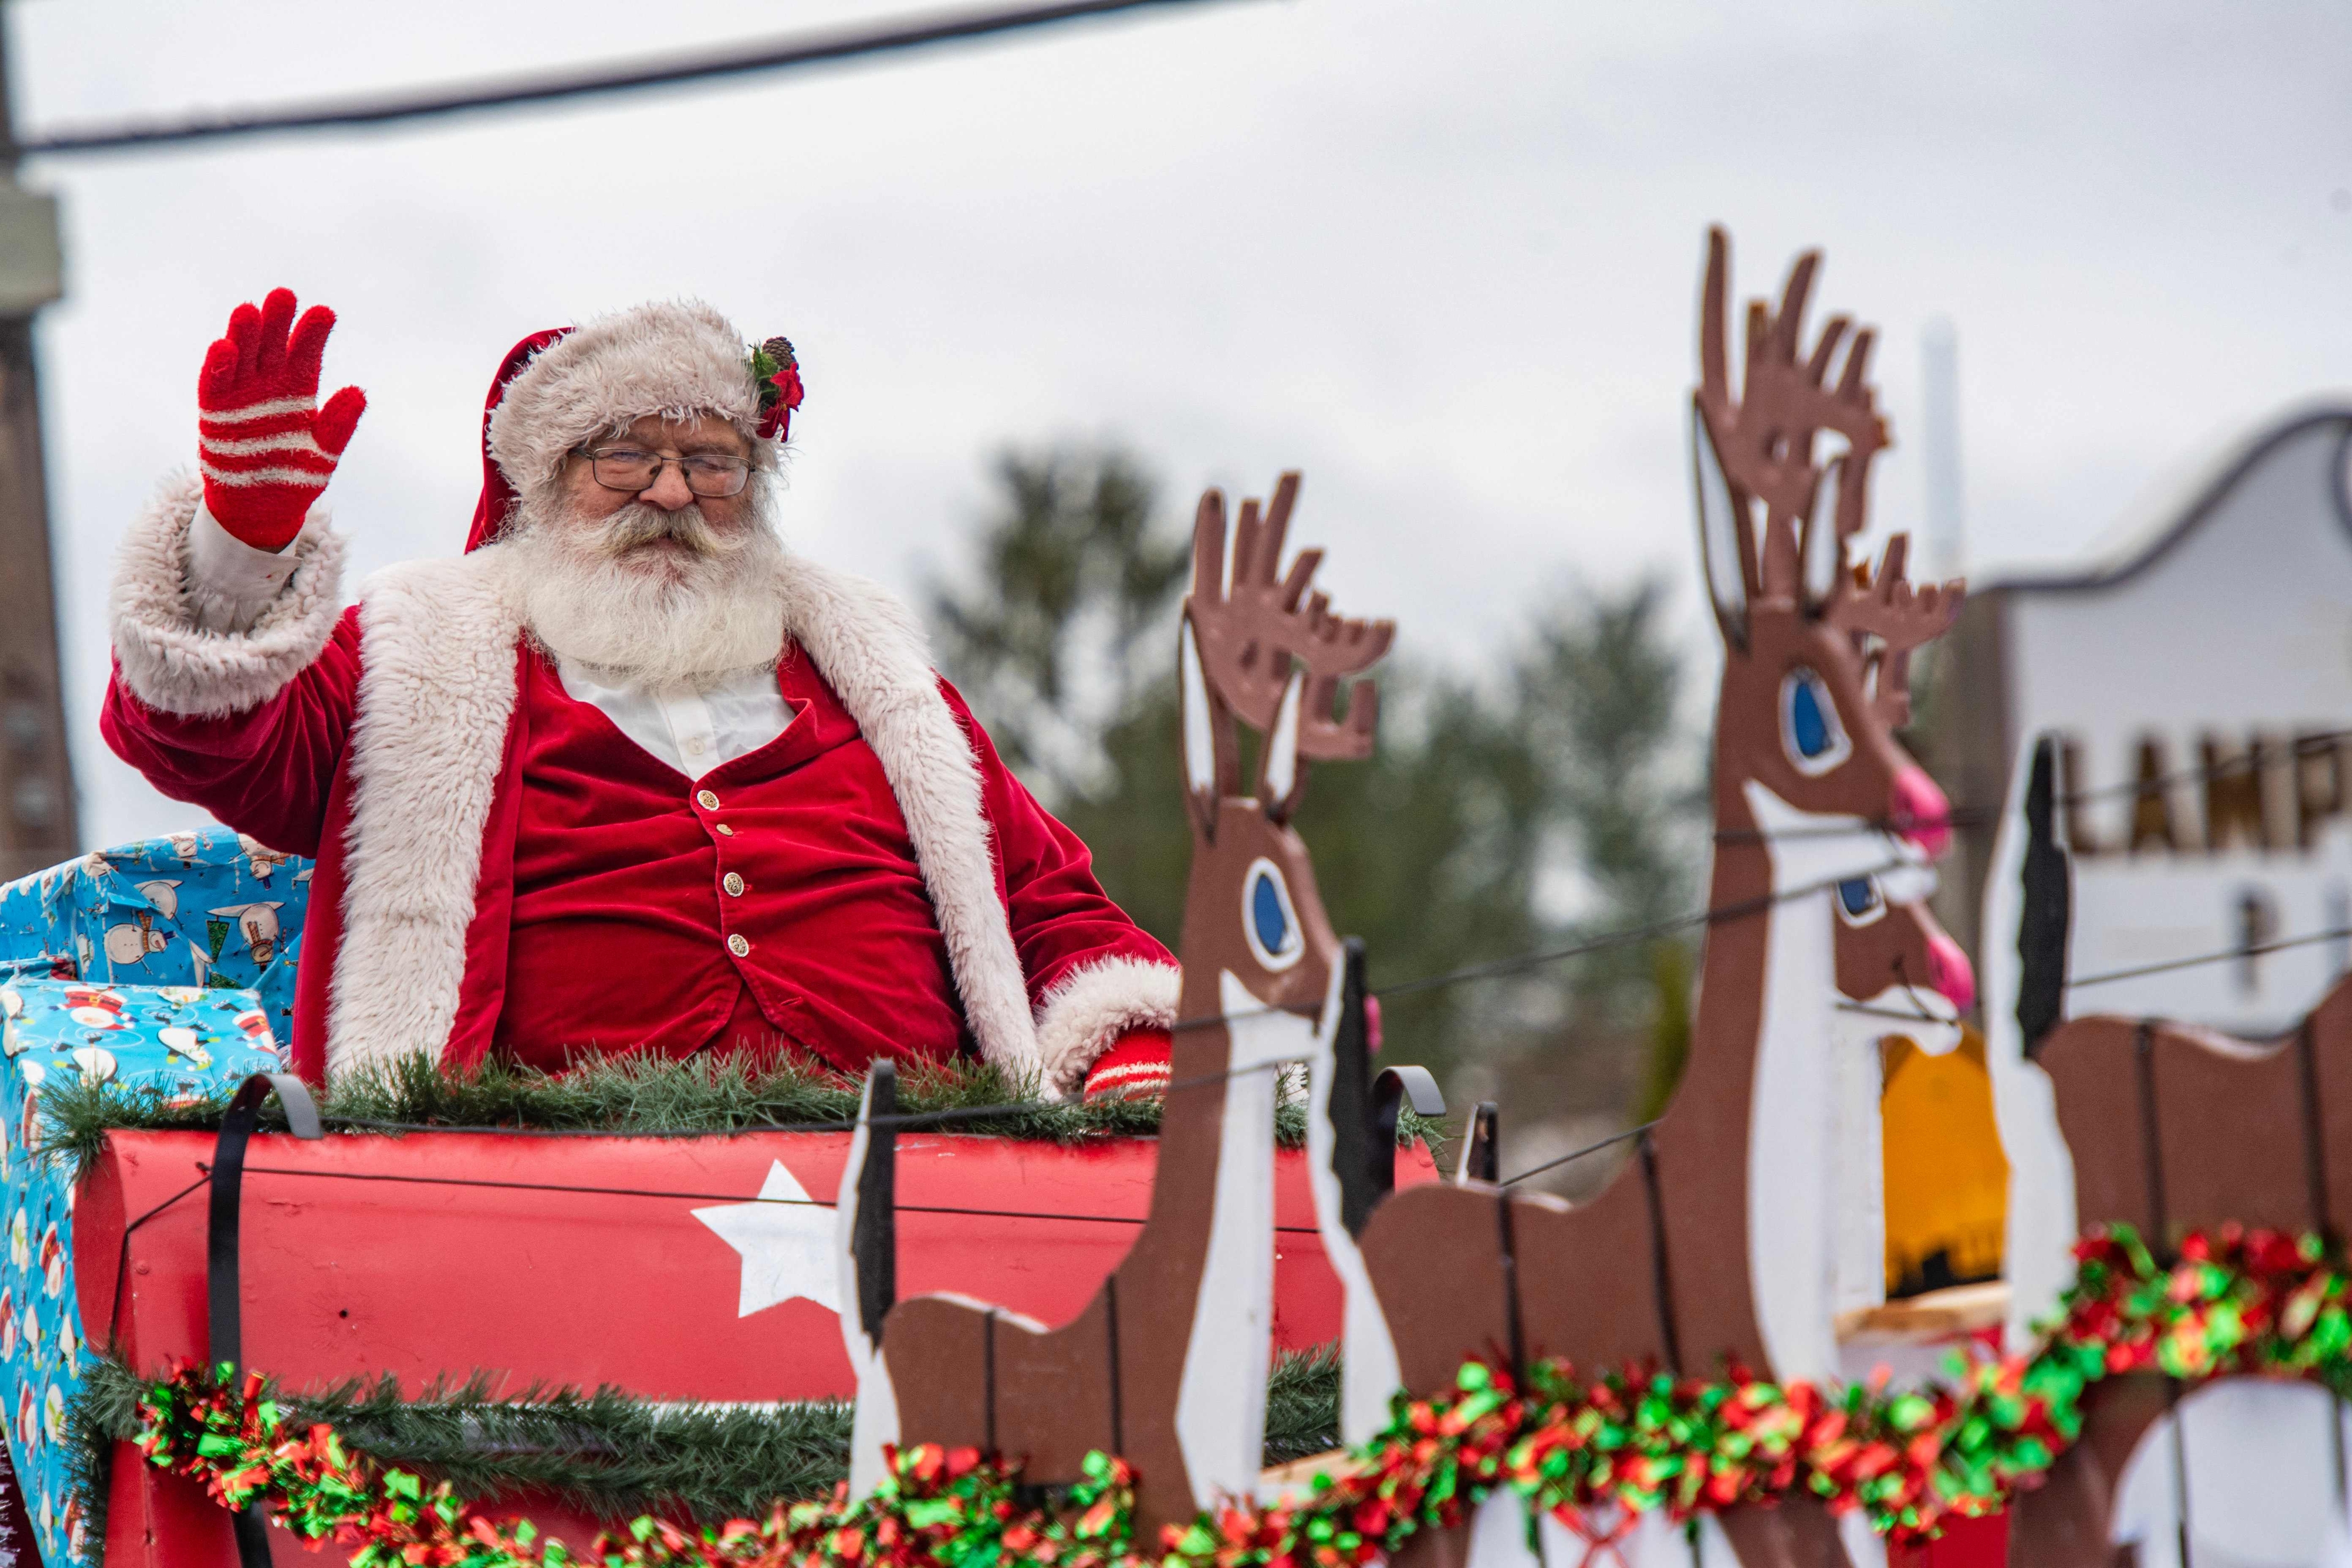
2237 1302
613 1454
637 1093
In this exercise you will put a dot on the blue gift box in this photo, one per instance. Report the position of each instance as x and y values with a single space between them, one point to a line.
179 1042
166 964
212 909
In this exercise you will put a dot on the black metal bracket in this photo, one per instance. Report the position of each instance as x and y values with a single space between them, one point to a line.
1364 1108
873 1239
1394 1089
224 1325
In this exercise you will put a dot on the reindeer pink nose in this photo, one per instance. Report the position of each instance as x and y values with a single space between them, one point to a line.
1920 813
1949 972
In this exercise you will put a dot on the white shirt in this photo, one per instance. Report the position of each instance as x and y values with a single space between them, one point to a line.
692 728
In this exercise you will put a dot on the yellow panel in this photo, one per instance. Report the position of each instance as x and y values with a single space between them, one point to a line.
1946 1183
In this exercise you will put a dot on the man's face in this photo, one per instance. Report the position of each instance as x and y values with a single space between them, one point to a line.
587 500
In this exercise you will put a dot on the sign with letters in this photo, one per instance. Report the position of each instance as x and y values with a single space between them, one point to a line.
2200 688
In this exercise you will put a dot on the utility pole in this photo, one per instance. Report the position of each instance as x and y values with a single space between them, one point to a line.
37 816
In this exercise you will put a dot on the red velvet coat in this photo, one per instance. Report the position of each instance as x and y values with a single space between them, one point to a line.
394 740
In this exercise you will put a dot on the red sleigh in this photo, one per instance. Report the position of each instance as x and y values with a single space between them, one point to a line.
690 1270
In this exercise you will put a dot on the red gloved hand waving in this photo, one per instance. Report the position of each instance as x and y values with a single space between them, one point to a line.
267 446
1136 1064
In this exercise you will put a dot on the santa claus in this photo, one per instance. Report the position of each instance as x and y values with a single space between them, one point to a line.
629 776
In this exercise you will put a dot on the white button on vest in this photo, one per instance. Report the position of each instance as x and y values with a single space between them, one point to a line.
733 884
738 946
707 800
726 830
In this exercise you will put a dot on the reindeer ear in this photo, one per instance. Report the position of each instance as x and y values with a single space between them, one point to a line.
1825 549
1723 530
1198 728
1280 779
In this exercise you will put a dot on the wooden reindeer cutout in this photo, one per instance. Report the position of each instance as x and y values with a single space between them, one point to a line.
2168 1128
1899 976
1166 1366
1715 1242
1899 973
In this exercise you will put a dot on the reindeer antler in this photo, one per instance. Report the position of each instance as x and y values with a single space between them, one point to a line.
1766 437
1901 617
1250 633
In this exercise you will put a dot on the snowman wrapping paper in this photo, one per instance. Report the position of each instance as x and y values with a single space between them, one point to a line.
212 909
179 1041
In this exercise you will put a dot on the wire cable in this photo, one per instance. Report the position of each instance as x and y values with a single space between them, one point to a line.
1737 910
1915 1015
1964 818
585 1189
2237 763
122 1254
1955 819
913 1119
743 58
1580 1154
2255 950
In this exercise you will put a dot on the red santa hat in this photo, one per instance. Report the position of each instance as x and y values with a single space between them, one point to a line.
560 388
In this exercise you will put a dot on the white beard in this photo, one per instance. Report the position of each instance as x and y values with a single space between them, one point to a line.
597 594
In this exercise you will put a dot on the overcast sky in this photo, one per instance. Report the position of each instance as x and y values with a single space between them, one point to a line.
1441 256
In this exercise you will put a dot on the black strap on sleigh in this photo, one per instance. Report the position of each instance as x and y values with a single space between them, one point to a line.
224 1315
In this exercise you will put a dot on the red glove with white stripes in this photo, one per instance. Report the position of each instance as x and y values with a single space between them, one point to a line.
1135 1066
267 446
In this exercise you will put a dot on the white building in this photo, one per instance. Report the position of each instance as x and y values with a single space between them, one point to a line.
2200 686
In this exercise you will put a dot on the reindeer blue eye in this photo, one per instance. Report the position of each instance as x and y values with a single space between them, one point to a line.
1810 730
1859 900
1266 912
1267 917
1805 721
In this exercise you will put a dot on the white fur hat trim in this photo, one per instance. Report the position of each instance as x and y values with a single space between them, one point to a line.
670 359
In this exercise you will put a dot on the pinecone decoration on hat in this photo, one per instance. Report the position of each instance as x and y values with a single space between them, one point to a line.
777 371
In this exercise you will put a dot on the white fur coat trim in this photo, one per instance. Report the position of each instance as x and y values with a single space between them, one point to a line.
875 655
168 661
437 695
1089 1008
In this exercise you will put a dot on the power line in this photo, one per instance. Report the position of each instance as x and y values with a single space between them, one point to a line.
728 60
1580 1154
1955 818
1739 909
122 1256
585 1190
1914 1015
2252 950
1967 819
2237 762
902 1120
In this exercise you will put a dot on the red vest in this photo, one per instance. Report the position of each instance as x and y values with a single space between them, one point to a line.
776 897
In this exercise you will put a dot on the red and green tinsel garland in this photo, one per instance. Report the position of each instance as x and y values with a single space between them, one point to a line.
2236 1303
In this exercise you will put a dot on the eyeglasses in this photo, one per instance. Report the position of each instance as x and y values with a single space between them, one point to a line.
632 469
